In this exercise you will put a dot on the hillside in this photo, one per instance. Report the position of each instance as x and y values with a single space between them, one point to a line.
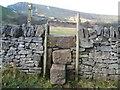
7 15
49 11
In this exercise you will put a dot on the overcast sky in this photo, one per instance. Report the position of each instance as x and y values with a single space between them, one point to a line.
109 7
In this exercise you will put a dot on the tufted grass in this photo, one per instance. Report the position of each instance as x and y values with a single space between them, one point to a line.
13 78
23 80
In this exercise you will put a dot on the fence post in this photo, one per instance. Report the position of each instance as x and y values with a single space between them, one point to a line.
77 47
45 49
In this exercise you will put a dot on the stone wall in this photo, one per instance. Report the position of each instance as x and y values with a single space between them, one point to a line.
99 53
22 47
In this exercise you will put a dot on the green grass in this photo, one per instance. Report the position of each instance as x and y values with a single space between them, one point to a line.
13 78
62 31
23 80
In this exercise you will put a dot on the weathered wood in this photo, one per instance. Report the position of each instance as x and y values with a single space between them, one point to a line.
29 14
45 50
77 46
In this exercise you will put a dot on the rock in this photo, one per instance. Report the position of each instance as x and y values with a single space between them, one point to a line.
81 34
39 52
86 34
32 46
11 52
36 57
93 36
6 30
105 43
32 31
58 74
112 32
108 61
105 55
21 46
90 63
28 31
83 56
111 71
37 40
91 55
23 52
38 31
62 56
30 65
111 66
99 61
61 41
98 29
86 44
28 39
106 32
70 67
82 49
18 32
106 48
24 28
5 45
39 48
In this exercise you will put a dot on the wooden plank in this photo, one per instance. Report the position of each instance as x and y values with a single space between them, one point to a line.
45 50
77 46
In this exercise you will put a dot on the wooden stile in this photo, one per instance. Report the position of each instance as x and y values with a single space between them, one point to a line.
77 46
45 49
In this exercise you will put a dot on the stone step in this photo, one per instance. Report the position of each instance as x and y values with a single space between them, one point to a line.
58 74
61 41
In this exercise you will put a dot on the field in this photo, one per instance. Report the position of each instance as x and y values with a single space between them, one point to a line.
12 78
62 30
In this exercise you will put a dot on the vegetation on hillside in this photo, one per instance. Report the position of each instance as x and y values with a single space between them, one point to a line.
60 13
7 15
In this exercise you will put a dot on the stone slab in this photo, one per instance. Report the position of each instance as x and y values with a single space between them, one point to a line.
57 74
61 41
62 56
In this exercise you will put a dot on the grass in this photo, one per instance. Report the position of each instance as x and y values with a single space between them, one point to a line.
23 80
62 31
13 78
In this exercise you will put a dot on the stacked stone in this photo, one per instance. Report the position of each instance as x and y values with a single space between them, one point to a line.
60 49
98 53
24 52
22 30
119 59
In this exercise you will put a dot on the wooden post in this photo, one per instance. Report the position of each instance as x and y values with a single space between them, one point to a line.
45 50
29 14
77 47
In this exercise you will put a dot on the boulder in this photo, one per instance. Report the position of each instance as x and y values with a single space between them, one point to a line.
62 56
58 74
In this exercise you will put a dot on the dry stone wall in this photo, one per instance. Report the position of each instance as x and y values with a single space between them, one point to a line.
22 46
99 53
